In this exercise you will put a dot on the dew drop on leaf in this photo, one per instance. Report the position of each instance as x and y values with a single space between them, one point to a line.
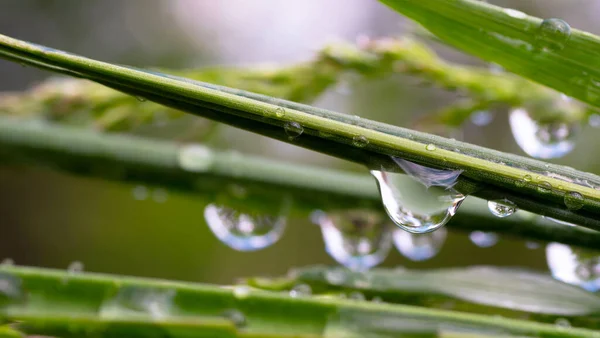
279 112
577 268
550 140
483 239
356 295
139 301
420 201
244 231
300 290
357 239
552 35
360 141
140 193
293 129
75 267
562 322
241 291
574 200
419 247
502 208
431 147
236 317
336 276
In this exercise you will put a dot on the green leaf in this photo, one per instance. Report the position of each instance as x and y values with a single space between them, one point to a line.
566 62
512 289
186 167
485 173
75 304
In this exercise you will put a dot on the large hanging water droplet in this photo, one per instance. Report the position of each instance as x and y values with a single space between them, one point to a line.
502 208
138 301
419 247
423 199
552 35
550 140
357 239
483 239
580 268
243 231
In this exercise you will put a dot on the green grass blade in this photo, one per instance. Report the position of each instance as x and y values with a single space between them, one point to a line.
136 160
486 173
47 302
499 288
513 40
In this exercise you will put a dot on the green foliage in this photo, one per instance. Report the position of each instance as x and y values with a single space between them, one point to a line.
66 304
46 302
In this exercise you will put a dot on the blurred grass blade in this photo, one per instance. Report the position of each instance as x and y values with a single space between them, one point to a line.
559 57
512 289
186 167
50 302
531 185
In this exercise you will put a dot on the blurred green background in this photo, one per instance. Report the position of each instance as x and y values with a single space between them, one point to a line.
50 219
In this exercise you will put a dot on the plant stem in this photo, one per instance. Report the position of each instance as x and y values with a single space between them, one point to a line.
533 185
58 302
186 167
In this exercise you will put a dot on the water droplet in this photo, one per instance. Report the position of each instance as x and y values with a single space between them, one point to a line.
160 195
544 187
551 140
377 299
140 192
527 178
10 288
552 35
482 118
293 129
243 231
419 247
483 239
356 295
502 208
421 201
562 322
241 291
357 239
140 98
577 268
279 112
75 267
574 200
195 158
431 147
360 141
137 301
300 290
336 276
235 316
